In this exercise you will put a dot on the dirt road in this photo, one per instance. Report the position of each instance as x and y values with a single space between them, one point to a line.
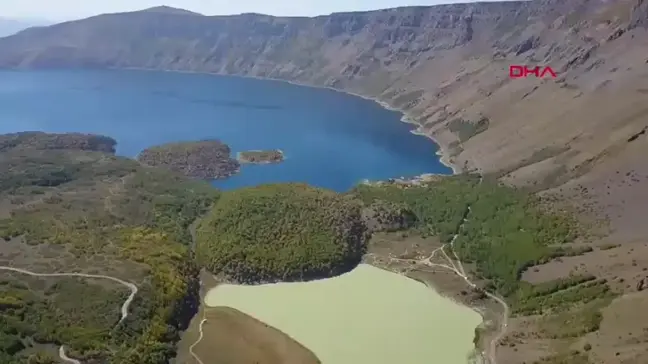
124 307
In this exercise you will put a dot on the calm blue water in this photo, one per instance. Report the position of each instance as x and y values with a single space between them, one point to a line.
330 139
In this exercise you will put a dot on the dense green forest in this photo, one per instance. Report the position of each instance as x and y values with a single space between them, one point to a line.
291 231
439 207
82 211
281 232
505 229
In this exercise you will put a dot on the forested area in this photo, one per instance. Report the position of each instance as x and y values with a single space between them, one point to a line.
107 215
439 207
281 232
505 230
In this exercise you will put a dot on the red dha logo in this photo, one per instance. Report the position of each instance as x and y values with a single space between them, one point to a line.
517 71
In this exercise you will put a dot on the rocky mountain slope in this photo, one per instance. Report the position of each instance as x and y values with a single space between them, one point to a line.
580 137
447 66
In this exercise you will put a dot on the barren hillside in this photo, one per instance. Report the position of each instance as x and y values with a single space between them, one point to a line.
580 138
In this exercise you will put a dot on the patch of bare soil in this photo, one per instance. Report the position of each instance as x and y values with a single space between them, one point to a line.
622 266
409 250
223 335
623 336
520 344
611 199
614 192
408 255
232 337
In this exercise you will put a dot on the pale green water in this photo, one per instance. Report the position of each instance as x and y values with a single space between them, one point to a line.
367 316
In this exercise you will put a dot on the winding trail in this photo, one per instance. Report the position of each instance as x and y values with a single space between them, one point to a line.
200 330
66 358
124 308
490 352
492 347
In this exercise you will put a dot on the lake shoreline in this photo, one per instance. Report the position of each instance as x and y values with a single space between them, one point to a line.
440 337
444 286
437 283
442 150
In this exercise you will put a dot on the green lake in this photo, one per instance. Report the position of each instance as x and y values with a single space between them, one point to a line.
368 315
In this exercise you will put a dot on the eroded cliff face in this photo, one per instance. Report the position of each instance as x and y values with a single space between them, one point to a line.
582 136
446 66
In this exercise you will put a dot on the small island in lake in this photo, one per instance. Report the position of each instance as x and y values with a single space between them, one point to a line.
205 159
261 156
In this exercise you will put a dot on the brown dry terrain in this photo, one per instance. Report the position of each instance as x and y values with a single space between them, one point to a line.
580 140
410 249
613 195
235 338
232 337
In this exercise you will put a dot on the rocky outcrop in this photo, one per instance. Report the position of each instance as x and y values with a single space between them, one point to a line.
439 64
387 216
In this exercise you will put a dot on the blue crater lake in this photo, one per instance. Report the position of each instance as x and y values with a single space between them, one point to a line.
330 139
